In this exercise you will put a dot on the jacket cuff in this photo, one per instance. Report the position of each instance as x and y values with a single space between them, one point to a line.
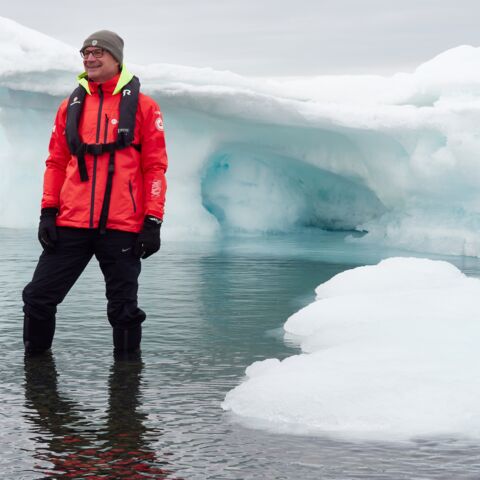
153 221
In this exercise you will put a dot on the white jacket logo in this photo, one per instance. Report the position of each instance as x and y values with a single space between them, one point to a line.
156 188
127 92
75 101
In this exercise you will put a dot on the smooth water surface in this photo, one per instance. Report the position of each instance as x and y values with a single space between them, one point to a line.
213 307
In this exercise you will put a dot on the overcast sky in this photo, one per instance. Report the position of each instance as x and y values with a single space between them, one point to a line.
266 37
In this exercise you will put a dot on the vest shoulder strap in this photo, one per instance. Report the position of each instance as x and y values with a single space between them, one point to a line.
128 112
74 111
75 144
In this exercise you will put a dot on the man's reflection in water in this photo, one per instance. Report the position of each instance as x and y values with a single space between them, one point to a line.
69 446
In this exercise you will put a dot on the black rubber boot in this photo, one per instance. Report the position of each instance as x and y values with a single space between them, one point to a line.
37 335
127 340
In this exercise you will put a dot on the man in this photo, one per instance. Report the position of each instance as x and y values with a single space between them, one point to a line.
103 195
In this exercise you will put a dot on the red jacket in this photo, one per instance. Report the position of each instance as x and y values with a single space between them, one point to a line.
139 183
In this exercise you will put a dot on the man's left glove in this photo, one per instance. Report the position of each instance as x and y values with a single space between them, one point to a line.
47 229
148 241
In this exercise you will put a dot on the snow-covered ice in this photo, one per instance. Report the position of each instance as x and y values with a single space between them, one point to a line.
395 156
389 351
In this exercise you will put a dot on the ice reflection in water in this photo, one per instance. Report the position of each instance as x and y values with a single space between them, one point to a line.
213 309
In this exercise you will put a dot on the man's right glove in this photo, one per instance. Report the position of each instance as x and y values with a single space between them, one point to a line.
47 229
148 241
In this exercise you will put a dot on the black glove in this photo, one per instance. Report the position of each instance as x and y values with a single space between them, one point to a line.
47 229
148 241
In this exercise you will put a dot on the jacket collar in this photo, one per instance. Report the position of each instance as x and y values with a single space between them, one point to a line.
112 86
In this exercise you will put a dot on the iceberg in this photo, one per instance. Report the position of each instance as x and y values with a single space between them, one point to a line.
396 157
389 352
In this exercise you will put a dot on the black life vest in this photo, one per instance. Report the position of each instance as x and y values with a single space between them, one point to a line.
125 133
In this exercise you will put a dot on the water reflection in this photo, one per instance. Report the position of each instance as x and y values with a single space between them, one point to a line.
214 308
68 446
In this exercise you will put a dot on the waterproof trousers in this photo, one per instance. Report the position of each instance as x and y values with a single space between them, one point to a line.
58 270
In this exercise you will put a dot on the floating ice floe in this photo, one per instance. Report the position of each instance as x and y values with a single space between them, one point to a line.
390 351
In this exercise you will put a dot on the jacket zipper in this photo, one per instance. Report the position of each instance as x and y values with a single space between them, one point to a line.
97 138
130 187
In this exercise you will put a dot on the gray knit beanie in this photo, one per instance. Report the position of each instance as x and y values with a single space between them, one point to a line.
108 40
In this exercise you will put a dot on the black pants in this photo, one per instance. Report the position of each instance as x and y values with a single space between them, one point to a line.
57 272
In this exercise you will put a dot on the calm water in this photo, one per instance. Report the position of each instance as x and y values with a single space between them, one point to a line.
213 308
